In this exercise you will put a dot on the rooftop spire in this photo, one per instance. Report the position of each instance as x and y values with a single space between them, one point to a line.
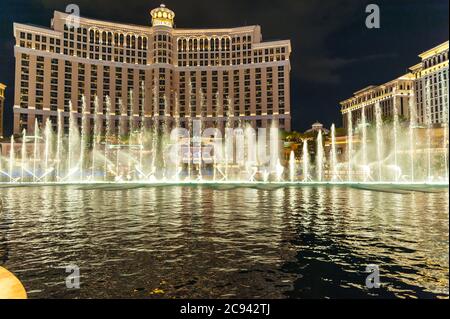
162 16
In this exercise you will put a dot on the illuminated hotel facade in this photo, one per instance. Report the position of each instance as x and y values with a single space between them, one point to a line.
158 72
425 86
2 107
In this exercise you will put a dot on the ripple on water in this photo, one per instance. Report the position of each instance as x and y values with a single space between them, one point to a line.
228 242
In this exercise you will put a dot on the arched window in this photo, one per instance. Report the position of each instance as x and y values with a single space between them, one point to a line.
144 43
91 36
222 44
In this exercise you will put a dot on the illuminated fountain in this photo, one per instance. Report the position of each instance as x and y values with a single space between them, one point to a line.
333 155
320 157
158 150
305 161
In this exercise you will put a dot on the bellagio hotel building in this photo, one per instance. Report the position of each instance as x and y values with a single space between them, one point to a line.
158 72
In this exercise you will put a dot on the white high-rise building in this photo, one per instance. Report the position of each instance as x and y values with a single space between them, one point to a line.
212 74
425 88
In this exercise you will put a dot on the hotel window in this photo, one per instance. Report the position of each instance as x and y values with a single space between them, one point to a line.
39 90
54 84
67 85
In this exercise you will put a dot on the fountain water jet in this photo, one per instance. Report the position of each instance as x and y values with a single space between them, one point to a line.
11 160
379 139
320 157
305 161
395 134
412 135
333 155
428 123
96 137
445 122
84 133
292 166
364 144
349 145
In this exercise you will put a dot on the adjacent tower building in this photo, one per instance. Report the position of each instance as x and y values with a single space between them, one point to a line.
431 85
149 72
424 89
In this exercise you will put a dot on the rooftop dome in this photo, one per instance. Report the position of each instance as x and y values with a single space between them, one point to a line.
162 16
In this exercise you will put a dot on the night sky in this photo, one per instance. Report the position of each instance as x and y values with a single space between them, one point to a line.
333 53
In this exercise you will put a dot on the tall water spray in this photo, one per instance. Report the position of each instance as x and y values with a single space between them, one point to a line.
155 130
228 147
59 140
23 156
108 134
412 135
319 157
84 134
36 138
395 136
366 168
11 160
333 154
445 122
142 131
130 135
379 139
428 123
349 145
74 146
292 166
47 148
305 161
96 137
274 147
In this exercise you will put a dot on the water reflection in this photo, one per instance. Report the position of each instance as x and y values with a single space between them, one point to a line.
233 242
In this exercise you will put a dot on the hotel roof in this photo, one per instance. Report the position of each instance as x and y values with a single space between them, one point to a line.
437 49
408 76
149 28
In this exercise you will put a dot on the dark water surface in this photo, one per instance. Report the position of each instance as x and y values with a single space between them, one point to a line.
212 242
